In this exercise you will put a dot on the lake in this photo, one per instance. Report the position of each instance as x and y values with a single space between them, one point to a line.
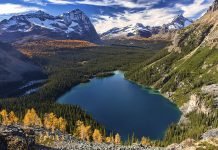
124 107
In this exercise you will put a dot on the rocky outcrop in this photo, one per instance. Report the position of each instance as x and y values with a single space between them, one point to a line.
208 140
12 137
214 7
212 90
194 104
18 137
213 133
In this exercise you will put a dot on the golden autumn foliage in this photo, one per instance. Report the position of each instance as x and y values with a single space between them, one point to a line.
62 123
97 136
108 140
145 141
82 131
31 118
8 119
13 118
117 139
4 117
52 122
47 47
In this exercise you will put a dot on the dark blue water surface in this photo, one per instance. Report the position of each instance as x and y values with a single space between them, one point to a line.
123 106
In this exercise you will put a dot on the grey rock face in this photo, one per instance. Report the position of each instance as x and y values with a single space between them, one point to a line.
213 133
214 7
12 138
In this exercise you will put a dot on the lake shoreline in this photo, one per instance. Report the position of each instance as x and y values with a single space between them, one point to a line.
104 79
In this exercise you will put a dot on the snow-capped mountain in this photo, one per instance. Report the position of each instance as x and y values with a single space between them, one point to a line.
71 25
178 22
139 30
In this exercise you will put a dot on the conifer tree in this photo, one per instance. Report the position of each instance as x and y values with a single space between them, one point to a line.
51 121
5 119
12 118
117 139
31 118
62 123
96 136
82 132
145 141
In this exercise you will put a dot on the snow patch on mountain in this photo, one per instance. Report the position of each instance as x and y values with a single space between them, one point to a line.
139 30
71 25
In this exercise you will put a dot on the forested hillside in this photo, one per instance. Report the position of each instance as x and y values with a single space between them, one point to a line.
187 73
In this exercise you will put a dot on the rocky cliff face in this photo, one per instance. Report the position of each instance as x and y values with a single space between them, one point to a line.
71 25
214 7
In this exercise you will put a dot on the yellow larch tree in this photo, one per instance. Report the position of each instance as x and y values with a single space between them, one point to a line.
13 118
5 119
96 136
31 118
117 139
82 132
62 124
51 121
145 141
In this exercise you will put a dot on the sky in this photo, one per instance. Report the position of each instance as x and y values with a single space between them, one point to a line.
107 14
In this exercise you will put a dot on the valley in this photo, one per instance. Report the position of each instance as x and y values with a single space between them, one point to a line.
67 66
151 87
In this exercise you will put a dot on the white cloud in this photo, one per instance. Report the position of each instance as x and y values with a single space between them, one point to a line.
198 7
39 2
152 17
121 3
60 2
9 8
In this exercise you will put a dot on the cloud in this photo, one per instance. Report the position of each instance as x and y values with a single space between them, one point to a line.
60 2
196 9
152 17
121 3
38 2
9 8
45 2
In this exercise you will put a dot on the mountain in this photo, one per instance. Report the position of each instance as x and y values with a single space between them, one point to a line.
13 65
179 22
139 30
71 25
187 73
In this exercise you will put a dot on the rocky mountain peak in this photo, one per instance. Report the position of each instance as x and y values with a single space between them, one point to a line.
214 7
178 22
76 15
71 25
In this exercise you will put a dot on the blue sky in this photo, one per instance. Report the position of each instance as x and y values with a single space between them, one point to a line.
106 14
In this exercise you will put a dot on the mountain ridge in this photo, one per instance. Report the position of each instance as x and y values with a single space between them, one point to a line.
141 31
71 25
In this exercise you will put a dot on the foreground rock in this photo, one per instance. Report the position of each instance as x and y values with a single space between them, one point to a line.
12 138
21 138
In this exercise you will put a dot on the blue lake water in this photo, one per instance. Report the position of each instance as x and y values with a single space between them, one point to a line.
124 107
